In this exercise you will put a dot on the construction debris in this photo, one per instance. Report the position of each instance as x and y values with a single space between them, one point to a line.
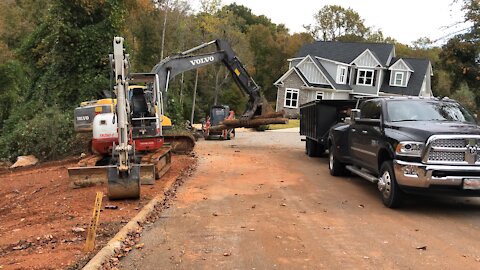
25 161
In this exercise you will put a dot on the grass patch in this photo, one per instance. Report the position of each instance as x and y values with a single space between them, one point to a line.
292 123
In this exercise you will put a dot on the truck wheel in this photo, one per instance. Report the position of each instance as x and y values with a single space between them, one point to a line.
387 184
311 147
335 167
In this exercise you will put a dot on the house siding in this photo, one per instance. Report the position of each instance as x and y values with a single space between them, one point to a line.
292 81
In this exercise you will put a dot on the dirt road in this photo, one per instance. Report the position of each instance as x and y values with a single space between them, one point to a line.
258 202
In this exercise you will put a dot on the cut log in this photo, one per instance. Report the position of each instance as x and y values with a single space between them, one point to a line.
279 114
236 123
253 122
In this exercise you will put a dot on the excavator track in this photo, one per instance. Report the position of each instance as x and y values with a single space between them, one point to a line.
180 143
152 167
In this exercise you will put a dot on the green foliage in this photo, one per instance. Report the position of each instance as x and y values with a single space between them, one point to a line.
68 51
13 82
442 84
465 97
48 134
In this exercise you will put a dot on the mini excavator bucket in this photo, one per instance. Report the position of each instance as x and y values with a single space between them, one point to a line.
124 185
80 177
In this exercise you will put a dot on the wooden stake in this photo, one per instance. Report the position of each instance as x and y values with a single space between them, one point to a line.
92 228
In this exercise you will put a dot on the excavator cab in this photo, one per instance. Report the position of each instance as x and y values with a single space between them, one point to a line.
218 113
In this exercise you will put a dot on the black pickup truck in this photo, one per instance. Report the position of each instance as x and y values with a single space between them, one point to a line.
403 144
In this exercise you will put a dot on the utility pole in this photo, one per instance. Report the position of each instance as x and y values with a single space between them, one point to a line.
164 28
194 96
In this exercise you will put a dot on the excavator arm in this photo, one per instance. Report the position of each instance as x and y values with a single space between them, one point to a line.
173 65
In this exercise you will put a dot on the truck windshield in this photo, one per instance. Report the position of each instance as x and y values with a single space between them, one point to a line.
423 110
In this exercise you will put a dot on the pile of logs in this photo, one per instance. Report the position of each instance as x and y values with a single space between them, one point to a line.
258 120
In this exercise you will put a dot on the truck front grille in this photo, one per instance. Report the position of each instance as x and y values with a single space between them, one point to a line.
446 156
453 150
450 143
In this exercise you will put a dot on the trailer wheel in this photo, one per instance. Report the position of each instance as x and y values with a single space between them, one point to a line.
392 196
311 147
335 167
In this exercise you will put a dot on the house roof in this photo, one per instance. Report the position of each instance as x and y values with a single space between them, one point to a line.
346 52
420 66
329 78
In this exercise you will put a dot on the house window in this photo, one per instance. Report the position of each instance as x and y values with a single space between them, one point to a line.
342 74
398 79
291 98
319 96
365 77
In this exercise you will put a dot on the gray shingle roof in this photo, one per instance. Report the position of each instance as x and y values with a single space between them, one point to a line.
346 52
415 82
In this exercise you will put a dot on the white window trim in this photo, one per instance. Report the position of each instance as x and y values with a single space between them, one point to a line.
339 72
285 98
366 70
394 83
319 93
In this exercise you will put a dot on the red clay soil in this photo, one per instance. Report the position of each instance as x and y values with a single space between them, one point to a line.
39 211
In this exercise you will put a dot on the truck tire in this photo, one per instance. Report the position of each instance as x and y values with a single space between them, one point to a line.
392 196
335 167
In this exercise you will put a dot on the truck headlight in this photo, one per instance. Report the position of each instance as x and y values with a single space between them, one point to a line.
409 149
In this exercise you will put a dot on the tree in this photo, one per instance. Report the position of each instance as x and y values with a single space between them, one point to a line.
466 97
333 21
442 83
13 83
68 51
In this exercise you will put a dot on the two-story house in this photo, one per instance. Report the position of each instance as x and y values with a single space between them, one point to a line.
347 70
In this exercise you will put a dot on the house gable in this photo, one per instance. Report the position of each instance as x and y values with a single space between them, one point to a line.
366 59
287 74
400 65
419 81
312 72
400 73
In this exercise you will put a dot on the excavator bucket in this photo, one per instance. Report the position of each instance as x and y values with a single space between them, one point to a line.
90 176
152 167
87 176
124 185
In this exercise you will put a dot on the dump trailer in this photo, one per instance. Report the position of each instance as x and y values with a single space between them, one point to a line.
316 119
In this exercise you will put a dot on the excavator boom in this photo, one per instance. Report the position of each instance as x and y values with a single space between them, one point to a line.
173 65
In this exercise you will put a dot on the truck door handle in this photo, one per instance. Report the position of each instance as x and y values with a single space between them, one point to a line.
364 132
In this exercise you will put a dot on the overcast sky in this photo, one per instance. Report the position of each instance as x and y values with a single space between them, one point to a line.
404 20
